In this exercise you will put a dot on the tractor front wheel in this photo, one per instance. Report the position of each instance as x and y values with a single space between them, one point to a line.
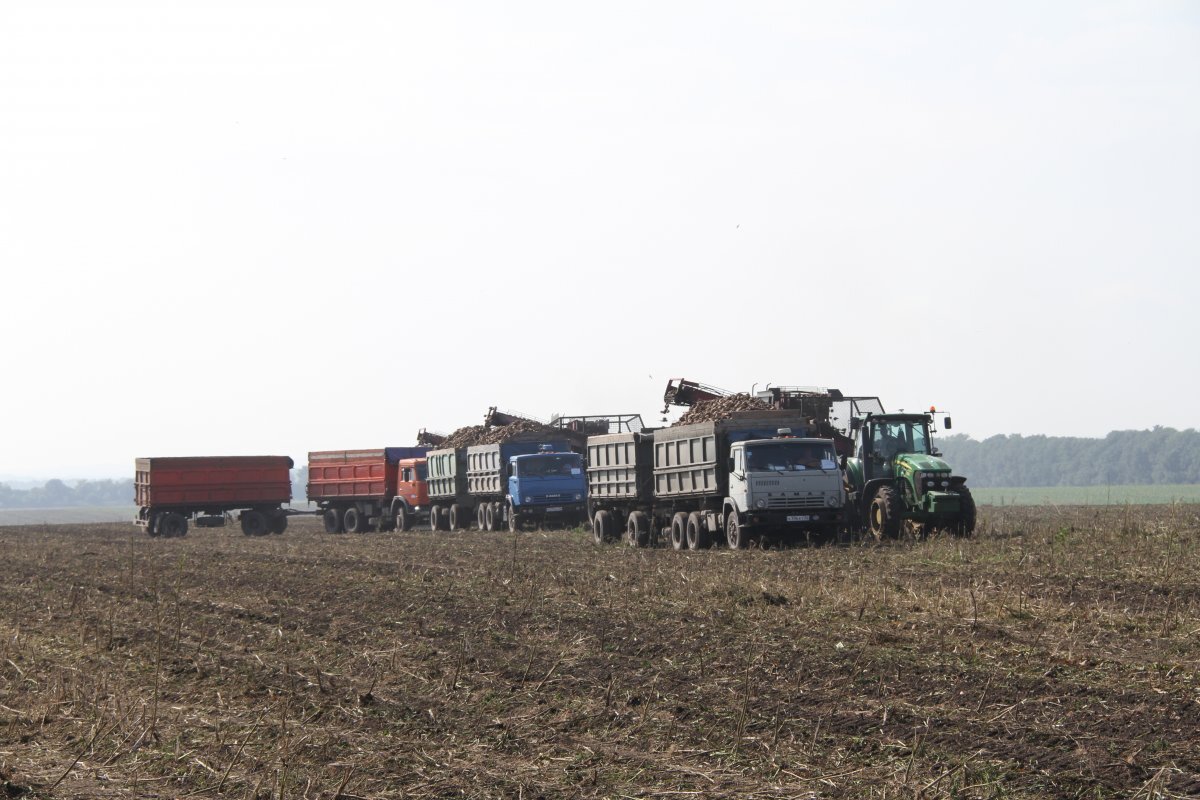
884 515
966 513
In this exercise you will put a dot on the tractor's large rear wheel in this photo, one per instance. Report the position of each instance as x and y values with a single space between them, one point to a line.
885 514
966 513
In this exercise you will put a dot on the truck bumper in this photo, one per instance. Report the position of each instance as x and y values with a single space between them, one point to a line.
566 511
802 519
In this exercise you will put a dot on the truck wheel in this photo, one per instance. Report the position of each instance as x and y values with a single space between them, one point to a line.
171 525
679 531
966 516
355 521
602 527
481 516
403 519
254 523
457 517
697 532
514 521
434 512
489 517
735 535
884 516
637 529
333 521
279 522
387 523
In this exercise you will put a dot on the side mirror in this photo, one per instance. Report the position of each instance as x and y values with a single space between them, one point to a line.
946 423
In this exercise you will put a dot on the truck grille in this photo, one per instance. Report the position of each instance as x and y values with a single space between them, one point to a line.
555 498
812 501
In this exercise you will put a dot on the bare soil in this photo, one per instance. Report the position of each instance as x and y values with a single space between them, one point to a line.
1053 655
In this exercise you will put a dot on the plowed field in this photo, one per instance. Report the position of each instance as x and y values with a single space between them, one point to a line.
1055 654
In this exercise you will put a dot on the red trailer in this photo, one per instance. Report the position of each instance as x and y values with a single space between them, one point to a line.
170 491
361 490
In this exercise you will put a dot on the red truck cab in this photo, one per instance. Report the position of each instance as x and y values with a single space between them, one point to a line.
412 488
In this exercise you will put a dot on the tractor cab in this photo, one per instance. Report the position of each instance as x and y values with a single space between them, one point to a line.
886 440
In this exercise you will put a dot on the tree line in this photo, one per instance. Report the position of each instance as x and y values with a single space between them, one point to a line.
58 494
1157 456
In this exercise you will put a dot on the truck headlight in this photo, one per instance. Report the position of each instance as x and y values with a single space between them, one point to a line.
528 499
578 497
760 502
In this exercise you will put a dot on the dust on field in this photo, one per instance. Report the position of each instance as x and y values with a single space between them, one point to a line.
1053 655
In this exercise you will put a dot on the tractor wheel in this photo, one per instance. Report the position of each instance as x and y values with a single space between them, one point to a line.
171 525
735 534
697 532
885 514
602 527
254 523
637 529
679 531
966 516
333 521
279 522
354 521
458 519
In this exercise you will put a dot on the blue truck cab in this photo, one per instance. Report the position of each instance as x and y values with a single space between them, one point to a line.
546 487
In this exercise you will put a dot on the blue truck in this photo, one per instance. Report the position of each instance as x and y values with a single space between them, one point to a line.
512 484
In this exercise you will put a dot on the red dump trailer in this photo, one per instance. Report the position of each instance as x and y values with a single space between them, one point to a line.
360 490
170 491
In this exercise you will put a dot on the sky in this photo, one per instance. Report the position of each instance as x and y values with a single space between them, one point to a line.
265 227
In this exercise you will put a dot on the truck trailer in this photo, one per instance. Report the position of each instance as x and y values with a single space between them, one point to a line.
361 490
208 489
753 475
510 484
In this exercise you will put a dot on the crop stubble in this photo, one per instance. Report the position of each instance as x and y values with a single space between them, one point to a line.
1052 655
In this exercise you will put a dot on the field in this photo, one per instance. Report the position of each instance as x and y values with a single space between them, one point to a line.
1161 494
1053 655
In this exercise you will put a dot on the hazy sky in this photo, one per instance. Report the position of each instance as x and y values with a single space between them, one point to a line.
251 227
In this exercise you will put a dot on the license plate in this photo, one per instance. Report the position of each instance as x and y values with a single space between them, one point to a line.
799 517
554 508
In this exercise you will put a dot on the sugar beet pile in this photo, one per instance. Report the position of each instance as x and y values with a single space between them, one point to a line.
721 408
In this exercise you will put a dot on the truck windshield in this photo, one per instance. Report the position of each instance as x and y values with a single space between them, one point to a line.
566 464
422 472
892 438
787 456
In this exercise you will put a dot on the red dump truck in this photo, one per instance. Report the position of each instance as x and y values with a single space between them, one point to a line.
361 490
171 491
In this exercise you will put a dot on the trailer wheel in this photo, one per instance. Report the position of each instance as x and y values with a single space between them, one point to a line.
679 531
735 535
884 515
457 521
152 525
254 523
171 525
697 532
602 527
403 520
355 521
279 522
333 521
637 529
965 525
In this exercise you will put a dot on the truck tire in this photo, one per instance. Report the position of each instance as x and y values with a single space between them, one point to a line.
355 521
637 529
679 531
489 517
966 515
697 532
279 522
514 520
387 523
333 521
481 516
735 534
171 525
457 517
884 515
254 523
403 518
602 527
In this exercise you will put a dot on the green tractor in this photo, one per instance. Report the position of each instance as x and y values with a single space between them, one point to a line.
896 480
